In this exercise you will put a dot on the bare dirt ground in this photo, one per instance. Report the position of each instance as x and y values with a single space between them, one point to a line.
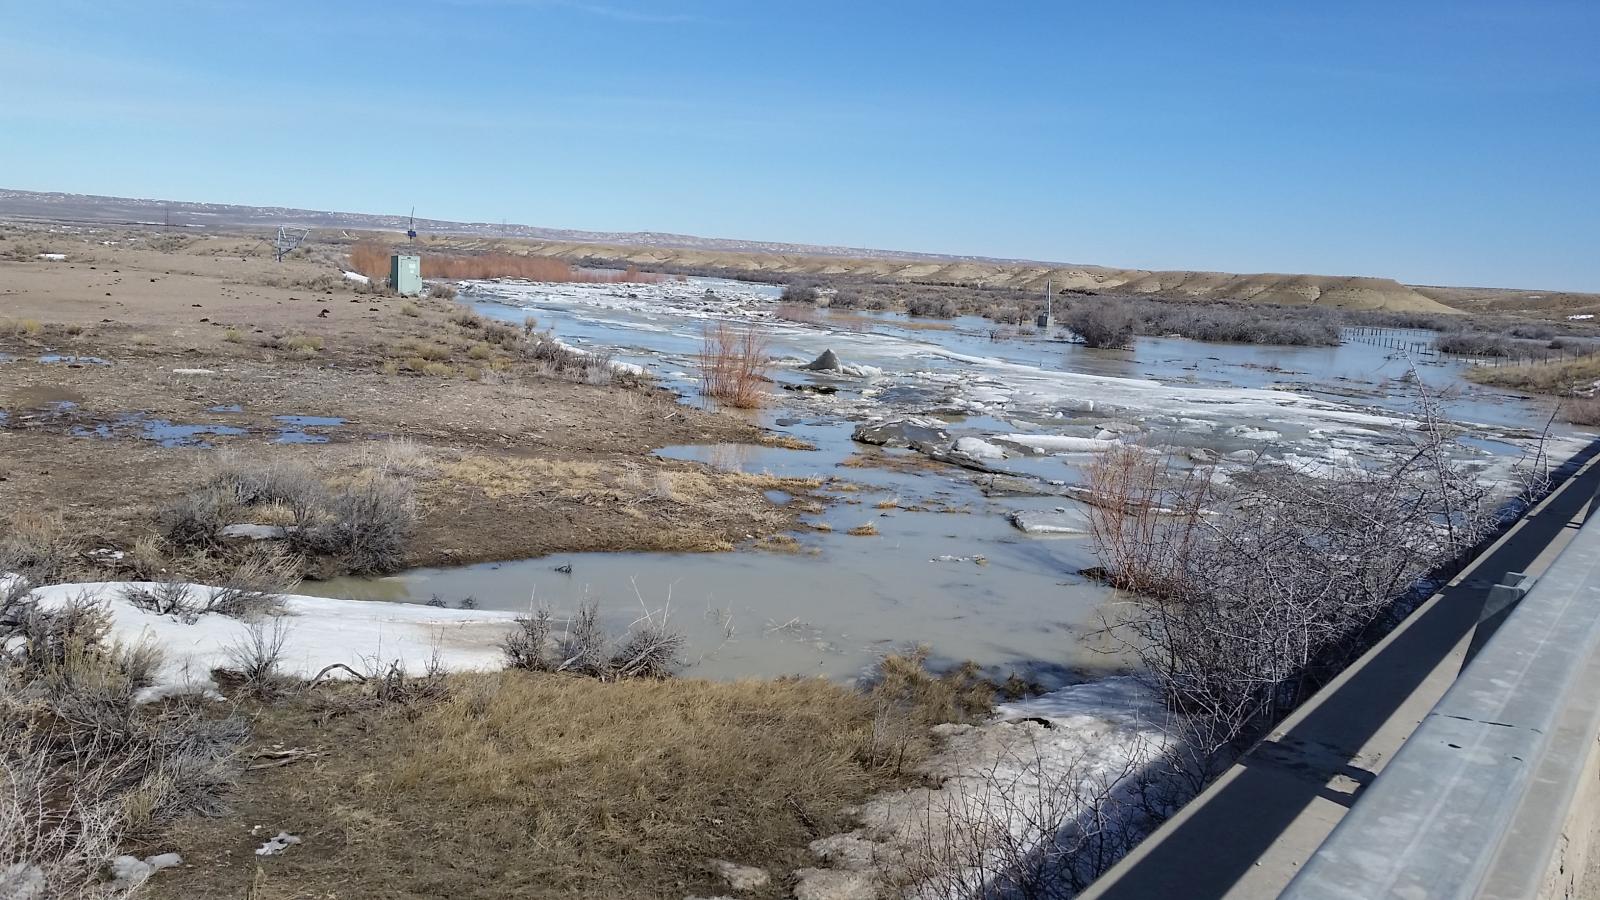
163 334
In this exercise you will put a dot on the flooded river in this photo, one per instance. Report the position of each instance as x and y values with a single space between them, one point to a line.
947 566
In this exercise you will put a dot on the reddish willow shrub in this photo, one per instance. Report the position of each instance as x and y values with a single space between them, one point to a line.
372 260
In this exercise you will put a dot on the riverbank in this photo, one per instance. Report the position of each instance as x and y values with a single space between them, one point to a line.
128 368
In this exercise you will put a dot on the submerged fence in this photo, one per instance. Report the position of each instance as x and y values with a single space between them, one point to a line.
1425 343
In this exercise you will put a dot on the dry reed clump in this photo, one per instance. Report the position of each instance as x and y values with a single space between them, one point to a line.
39 548
372 260
733 366
867 530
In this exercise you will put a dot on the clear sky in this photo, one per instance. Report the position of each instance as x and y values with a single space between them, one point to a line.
1452 142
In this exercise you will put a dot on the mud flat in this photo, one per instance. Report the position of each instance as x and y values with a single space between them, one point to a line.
125 369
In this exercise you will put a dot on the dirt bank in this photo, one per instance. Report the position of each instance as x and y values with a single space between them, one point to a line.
130 366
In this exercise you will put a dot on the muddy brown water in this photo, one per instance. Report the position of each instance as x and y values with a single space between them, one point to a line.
945 567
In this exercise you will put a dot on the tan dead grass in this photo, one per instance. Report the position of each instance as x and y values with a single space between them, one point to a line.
867 530
531 785
786 442
499 476
1541 378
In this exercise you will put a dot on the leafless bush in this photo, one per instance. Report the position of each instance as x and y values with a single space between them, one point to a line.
560 360
1101 324
46 640
1581 410
443 291
82 767
366 525
254 586
257 655
648 649
528 646
197 519
1032 825
733 365
799 292
933 307
1249 597
164 598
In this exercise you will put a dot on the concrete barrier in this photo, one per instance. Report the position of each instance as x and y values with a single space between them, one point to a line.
1497 793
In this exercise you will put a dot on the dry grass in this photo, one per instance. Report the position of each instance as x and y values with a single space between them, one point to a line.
301 345
1542 378
1581 410
867 530
536 785
733 365
233 336
499 477
786 442
26 328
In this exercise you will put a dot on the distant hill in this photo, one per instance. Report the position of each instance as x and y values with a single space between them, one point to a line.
648 248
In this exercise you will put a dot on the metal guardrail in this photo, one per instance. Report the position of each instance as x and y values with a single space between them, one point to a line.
1473 804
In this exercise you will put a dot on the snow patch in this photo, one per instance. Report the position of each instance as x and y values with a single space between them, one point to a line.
978 448
357 277
320 631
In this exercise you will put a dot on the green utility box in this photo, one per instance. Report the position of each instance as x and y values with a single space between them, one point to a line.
405 274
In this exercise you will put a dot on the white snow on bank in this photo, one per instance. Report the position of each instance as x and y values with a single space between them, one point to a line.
52 257
1032 765
320 631
357 277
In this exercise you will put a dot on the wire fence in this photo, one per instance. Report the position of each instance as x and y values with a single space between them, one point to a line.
1424 343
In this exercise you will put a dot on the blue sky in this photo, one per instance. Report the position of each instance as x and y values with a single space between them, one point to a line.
1447 143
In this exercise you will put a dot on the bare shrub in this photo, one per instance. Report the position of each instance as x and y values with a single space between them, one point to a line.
49 640
197 519
1033 824
82 766
800 292
733 365
257 655
1249 597
366 525
932 307
556 358
443 291
650 648
1101 324
164 598
528 646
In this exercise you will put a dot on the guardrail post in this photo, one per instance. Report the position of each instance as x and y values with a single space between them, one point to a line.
1497 604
